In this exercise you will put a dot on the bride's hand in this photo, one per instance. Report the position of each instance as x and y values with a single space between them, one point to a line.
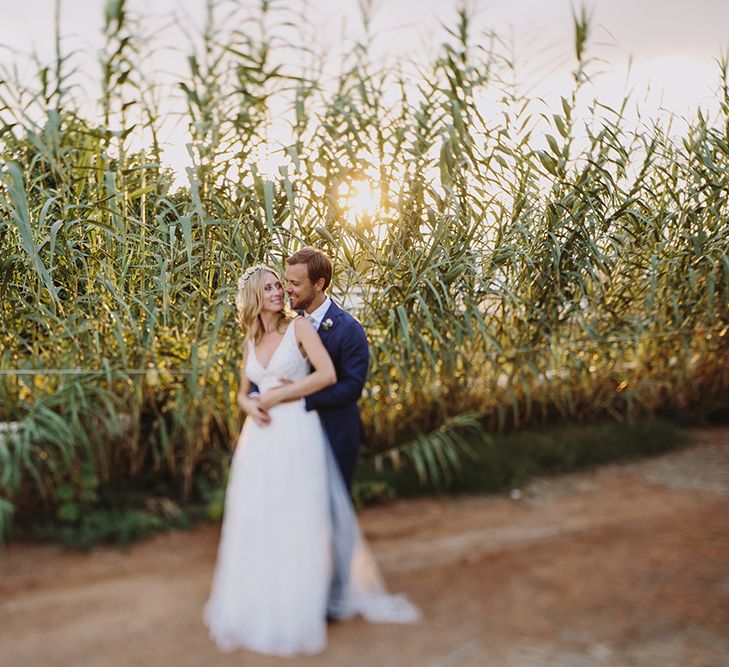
251 405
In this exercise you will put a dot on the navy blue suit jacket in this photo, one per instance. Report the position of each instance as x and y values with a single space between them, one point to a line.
346 343
336 405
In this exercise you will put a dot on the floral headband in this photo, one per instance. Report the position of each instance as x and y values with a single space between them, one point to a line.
250 271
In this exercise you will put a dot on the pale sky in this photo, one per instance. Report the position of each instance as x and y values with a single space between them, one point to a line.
673 43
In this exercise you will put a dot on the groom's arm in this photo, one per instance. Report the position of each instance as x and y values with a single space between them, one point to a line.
351 373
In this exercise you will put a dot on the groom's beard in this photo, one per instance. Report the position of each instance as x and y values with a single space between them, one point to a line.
301 302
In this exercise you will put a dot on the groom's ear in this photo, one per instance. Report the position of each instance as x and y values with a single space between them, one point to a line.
319 284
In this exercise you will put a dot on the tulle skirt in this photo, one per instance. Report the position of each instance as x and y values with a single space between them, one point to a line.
274 564
290 549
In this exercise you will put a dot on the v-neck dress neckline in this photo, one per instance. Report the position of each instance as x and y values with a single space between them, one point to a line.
275 352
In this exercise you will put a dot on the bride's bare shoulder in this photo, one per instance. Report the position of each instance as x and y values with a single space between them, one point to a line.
302 327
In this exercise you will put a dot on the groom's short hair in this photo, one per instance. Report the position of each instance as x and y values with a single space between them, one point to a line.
318 264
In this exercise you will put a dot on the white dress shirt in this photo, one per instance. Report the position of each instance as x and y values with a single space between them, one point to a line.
318 315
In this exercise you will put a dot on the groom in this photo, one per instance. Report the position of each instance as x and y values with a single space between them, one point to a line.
308 276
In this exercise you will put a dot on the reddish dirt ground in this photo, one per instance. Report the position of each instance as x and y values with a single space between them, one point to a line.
624 566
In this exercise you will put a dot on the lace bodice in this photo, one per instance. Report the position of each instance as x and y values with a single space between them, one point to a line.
287 363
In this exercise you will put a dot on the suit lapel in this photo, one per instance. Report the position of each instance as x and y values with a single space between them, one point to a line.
333 313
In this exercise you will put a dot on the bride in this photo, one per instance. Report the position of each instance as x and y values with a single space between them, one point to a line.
288 523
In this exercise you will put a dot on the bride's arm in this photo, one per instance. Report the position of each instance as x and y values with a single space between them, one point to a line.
250 404
324 374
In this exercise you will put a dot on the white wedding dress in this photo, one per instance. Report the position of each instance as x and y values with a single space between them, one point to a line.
288 524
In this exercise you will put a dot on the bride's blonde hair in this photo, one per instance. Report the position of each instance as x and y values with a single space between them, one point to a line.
249 301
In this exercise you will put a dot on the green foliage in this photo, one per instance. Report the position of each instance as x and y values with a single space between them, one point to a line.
437 457
508 461
77 497
120 527
371 491
522 264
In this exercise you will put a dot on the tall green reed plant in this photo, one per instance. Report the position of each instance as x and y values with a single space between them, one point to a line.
521 263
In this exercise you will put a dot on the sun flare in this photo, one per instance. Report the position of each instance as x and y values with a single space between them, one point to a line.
360 198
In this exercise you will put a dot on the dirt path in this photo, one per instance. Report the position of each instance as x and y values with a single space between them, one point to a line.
626 566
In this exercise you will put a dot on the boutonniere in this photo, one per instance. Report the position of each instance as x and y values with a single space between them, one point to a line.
327 324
